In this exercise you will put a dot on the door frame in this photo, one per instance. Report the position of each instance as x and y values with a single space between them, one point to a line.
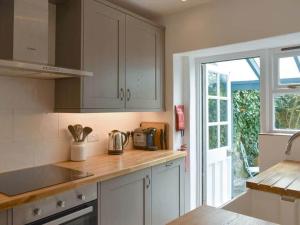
200 154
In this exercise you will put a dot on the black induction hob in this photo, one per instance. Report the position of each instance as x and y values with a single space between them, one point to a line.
31 179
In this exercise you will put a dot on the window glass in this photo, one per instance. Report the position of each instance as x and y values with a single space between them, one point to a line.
239 69
223 135
289 70
213 110
213 137
212 84
223 85
223 111
287 111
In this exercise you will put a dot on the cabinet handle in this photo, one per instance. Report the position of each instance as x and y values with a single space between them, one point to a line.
61 204
148 182
169 164
37 212
128 95
122 94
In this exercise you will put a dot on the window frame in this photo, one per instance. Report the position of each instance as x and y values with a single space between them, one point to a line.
276 55
277 89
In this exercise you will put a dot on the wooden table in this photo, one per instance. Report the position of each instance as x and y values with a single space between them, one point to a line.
282 179
206 215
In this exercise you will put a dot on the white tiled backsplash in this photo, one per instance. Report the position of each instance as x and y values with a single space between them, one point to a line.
31 134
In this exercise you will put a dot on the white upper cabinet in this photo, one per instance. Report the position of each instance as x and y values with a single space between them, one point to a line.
104 54
124 52
143 65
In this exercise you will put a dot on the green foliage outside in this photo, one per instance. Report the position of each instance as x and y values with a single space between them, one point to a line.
287 111
246 123
246 127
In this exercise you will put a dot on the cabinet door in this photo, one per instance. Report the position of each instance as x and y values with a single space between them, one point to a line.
3 218
143 65
104 55
126 200
167 192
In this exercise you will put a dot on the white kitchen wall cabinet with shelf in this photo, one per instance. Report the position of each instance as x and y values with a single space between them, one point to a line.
124 51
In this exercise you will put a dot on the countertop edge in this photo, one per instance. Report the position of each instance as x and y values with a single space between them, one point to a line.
49 191
255 183
274 190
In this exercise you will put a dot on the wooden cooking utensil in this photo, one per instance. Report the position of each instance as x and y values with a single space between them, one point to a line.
86 132
78 130
73 132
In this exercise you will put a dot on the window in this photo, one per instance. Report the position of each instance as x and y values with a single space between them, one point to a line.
286 90
218 103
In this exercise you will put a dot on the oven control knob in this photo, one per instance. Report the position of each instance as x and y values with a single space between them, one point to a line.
37 212
61 204
81 197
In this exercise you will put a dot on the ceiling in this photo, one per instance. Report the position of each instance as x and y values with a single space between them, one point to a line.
157 8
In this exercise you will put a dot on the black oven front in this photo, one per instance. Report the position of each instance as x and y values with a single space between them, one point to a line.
85 214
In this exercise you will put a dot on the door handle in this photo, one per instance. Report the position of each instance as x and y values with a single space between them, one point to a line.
128 95
122 94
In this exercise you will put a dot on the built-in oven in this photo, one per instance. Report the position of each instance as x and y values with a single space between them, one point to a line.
75 207
85 214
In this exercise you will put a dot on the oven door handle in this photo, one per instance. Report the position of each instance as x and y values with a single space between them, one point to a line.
71 216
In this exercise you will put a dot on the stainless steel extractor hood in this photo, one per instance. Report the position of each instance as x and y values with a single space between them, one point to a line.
22 69
24 41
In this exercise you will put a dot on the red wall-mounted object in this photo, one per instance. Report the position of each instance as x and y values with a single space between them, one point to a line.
180 123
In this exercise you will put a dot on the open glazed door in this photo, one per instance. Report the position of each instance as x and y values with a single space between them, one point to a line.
217 132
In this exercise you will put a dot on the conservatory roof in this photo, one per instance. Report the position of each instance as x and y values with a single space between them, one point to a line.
241 70
249 69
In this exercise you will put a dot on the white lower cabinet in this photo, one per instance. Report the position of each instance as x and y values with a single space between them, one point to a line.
153 196
126 200
167 192
267 206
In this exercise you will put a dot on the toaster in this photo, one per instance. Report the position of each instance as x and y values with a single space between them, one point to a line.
144 138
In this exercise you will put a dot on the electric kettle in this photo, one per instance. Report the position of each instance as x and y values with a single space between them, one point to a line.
117 141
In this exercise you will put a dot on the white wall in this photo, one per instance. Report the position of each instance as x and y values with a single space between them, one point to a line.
31 134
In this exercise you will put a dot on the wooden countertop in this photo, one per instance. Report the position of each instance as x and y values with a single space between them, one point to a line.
206 215
104 167
282 179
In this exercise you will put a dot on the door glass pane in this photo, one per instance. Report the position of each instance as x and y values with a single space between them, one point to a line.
287 111
213 137
223 85
223 135
289 70
212 84
223 111
213 110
